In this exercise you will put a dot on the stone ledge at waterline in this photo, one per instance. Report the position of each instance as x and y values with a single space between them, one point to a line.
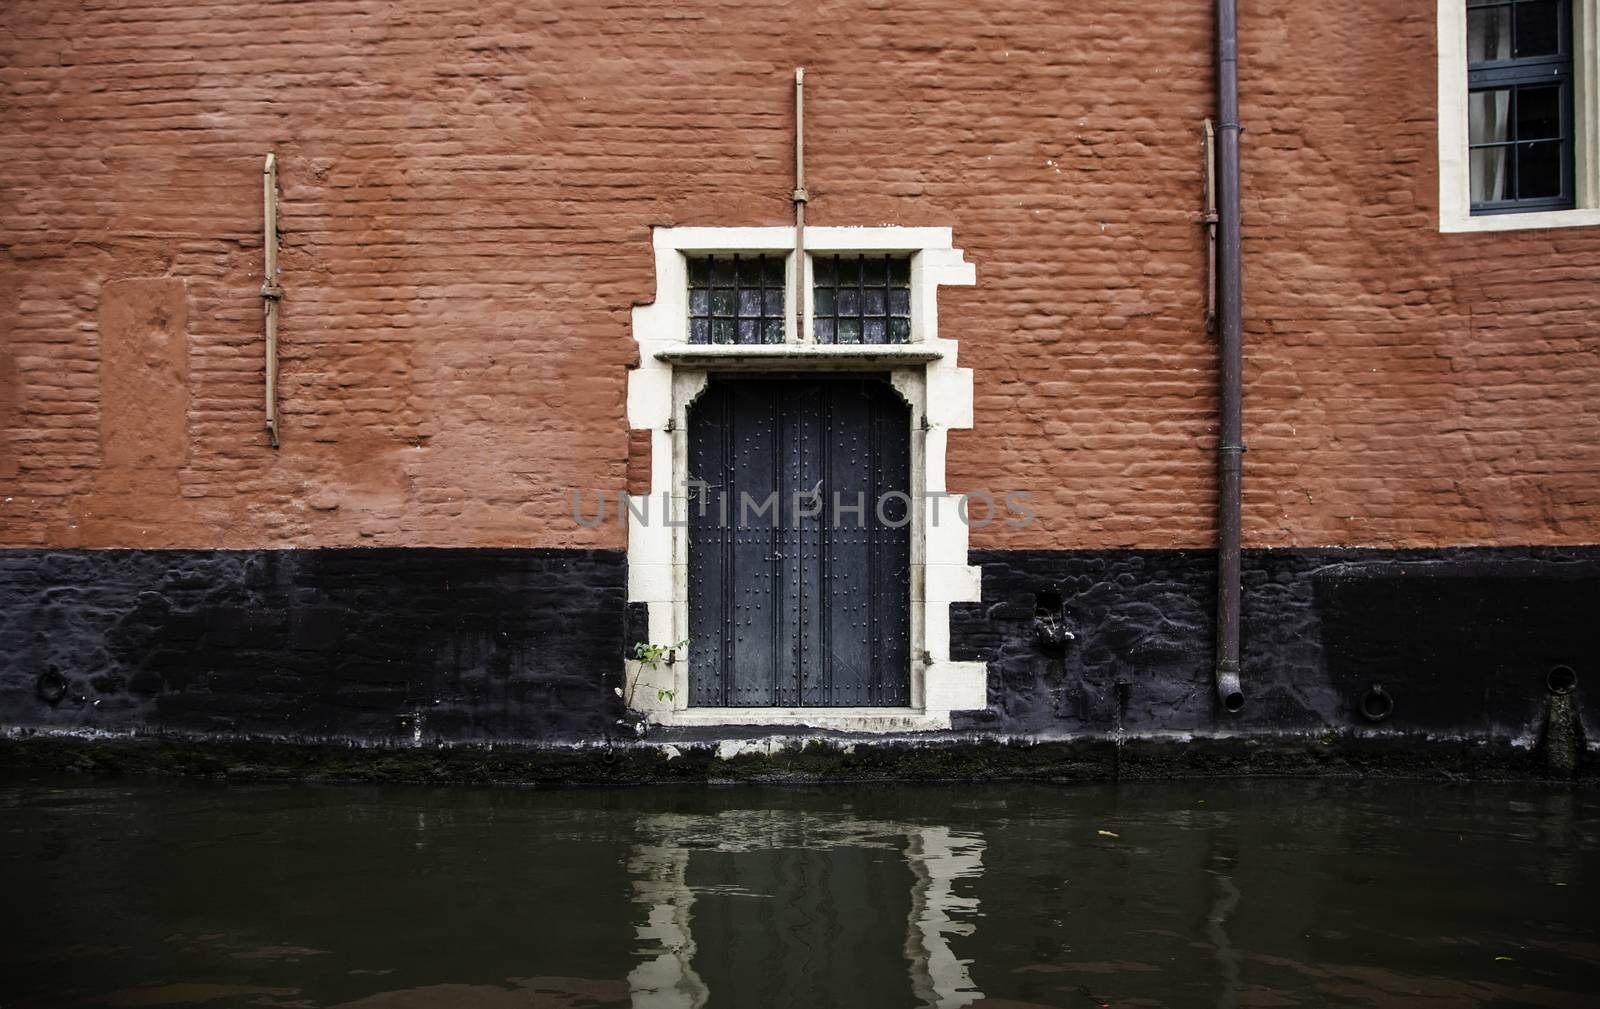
1334 755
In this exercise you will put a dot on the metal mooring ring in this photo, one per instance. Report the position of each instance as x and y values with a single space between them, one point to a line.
1561 680
51 687
1376 704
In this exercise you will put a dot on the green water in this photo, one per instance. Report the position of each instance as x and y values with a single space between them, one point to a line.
1266 894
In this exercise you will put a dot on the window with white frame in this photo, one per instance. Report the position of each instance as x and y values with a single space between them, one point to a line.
1518 114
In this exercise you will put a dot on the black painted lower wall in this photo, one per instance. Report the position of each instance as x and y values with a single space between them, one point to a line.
525 646
1463 641
367 644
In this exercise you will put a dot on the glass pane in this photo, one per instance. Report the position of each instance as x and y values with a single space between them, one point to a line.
874 270
873 331
1538 28
1489 116
824 330
749 303
699 272
849 270
900 271
1539 112
750 272
699 302
823 301
699 330
876 302
822 270
722 302
849 330
1539 169
900 302
1488 34
774 330
899 330
749 330
849 302
722 272
722 331
774 271
1491 174
775 303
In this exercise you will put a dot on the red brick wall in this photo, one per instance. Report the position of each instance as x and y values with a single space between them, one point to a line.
468 188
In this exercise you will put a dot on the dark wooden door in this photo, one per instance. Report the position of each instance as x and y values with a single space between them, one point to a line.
809 605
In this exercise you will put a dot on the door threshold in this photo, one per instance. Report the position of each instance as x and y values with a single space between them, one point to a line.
861 719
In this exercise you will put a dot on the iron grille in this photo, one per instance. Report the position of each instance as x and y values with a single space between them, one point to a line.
736 299
862 299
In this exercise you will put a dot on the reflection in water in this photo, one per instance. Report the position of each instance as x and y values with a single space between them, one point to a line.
939 858
665 977
831 904
1282 894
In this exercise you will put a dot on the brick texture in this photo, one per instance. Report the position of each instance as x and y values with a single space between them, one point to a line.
468 188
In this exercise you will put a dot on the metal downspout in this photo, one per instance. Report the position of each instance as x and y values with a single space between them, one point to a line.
1230 445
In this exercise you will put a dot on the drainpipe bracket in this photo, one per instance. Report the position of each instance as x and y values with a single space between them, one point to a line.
799 196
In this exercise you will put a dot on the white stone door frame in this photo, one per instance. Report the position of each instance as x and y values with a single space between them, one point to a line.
672 373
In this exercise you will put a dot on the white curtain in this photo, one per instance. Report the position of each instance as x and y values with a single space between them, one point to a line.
1489 112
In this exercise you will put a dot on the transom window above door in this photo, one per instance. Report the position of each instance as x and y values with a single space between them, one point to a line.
736 299
862 298
855 298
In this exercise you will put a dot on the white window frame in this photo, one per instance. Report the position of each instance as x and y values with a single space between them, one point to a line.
673 372
1455 174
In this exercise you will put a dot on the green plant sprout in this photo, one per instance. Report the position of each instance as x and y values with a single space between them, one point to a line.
652 656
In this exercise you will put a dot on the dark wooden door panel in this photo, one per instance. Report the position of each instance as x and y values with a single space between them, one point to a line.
799 603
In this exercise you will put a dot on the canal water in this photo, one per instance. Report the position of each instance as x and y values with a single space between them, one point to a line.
1270 894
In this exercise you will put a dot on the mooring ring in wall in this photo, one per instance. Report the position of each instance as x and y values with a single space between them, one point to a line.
1376 704
1561 680
51 687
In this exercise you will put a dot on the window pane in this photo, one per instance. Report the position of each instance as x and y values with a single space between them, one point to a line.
1491 171
1539 169
775 302
725 291
1538 28
1489 116
865 293
722 272
699 330
1539 112
1488 34
722 302
774 331
749 303
722 331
